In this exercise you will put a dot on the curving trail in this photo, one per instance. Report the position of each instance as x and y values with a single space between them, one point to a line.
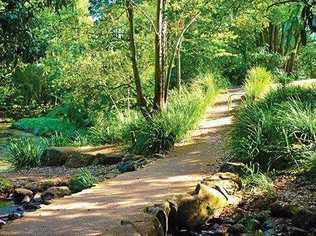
94 210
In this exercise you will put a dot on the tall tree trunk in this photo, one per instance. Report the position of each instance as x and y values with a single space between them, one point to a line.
160 38
292 57
133 55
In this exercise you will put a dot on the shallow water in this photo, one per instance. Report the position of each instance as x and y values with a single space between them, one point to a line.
7 207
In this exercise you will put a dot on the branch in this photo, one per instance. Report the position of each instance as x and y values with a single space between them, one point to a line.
148 18
193 19
281 3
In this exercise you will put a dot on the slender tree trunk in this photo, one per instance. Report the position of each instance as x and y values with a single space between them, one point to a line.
159 101
177 47
133 55
178 68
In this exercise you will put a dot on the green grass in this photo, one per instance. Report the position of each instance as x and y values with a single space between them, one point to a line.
277 131
82 180
26 152
257 83
254 178
185 109
46 126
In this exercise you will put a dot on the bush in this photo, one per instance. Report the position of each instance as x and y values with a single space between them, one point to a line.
46 126
82 180
258 83
165 129
26 152
278 130
5 185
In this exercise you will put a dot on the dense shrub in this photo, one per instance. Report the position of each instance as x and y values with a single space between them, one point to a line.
278 130
46 126
258 83
26 152
165 129
82 180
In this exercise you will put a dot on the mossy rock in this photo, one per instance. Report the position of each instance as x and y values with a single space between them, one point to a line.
195 210
104 159
54 157
76 160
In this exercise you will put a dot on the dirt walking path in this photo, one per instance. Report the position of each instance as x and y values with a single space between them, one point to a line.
94 210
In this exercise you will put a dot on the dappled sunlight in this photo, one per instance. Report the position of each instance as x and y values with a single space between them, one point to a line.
105 204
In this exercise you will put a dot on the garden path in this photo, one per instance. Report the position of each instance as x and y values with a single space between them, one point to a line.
94 210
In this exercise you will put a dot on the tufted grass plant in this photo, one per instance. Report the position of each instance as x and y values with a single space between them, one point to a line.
82 180
26 152
258 82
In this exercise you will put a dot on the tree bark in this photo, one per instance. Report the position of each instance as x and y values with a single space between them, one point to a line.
160 38
133 55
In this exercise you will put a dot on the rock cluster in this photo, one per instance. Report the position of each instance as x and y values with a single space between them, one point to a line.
24 199
188 211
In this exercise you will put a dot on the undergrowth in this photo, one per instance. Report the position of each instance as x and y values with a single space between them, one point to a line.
185 109
277 131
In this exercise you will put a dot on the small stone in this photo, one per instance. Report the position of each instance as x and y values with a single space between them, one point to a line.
295 231
15 215
279 209
55 192
127 167
222 230
26 199
234 167
37 198
305 218
19 194
103 159
2 222
31 206
237 229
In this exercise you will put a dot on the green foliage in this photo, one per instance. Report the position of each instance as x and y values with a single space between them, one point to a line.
309 167
254 178
111 127
82 180
283 78
258 83
5 185
277 131
160 133
26 152
307 61
46 126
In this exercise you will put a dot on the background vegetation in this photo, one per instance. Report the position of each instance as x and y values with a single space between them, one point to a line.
88 72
